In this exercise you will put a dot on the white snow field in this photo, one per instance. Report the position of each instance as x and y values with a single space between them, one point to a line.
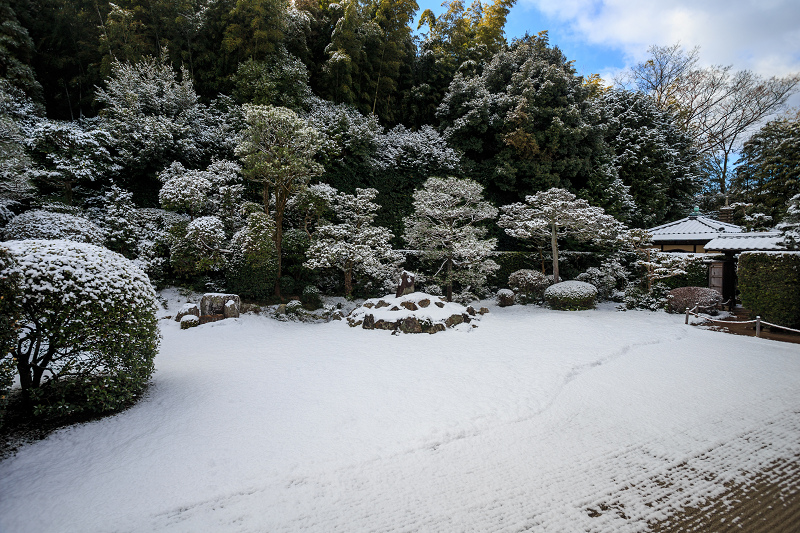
536 420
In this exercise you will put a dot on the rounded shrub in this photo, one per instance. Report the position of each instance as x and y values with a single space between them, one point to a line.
41 224
253 266
505 297
529 285
311 297
704 298
88 329
571 296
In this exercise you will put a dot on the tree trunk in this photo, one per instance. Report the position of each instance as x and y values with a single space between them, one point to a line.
449 279
554 245
348 281
278 242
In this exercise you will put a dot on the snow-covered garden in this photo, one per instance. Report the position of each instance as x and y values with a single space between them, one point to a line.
538 419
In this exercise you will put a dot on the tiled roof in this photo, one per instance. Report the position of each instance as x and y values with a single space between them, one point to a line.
757 241
692 229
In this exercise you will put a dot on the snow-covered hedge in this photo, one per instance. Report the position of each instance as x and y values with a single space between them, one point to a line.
571 296
529 285
706 299
41 224
88 331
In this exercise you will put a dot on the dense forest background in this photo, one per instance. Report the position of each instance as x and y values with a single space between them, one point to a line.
102 99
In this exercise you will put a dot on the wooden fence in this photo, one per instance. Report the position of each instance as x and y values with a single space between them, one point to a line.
758 322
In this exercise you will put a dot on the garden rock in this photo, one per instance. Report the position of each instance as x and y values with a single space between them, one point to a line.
189 321
231 310
186 310
213 303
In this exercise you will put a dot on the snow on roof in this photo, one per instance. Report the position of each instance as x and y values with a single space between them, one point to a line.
695 228
765 240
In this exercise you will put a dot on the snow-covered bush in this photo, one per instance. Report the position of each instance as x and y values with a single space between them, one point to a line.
40 224
704 298
200 249
652 300
253 262
186 192
10 295
505 297
88 330
529 285
571 296
607 278
119 222
311 297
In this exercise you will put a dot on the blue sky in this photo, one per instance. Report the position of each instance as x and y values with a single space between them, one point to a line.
605 36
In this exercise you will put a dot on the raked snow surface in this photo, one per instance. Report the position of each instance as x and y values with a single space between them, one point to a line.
537 420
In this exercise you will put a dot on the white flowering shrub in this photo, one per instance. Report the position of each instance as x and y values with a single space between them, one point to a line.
88 329
571 296
40 224
529 285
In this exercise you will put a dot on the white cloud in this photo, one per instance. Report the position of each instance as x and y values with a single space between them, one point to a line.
760 35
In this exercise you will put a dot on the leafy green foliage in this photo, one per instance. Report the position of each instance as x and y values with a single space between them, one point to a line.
769 286
88 328
253 265
10 294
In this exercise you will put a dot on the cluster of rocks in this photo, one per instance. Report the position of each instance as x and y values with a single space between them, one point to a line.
411 316
213 307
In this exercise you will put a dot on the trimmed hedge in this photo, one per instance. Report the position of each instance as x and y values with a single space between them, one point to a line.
769 286
571 296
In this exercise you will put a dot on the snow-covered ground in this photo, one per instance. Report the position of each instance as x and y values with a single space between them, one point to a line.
536 420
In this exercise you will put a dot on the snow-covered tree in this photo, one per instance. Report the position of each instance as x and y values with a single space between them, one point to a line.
354 244
201 248
16 110
185 192
554 214
118 219
277 151
526 122
253 262
444 227
652 156
791 224
66 154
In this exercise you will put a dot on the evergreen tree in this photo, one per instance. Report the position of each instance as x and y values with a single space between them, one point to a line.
652 156
353 245
525 123
277 151
445 228
769 169
553 214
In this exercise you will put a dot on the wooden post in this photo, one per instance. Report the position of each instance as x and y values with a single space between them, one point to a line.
687 316
758 326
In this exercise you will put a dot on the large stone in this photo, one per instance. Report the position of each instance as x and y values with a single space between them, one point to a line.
380 304
205 319
424 303
410 325
439 304
231 310
369 322
213 303
406 284
454 321
435 328
471 310
186 310
411 306
484 310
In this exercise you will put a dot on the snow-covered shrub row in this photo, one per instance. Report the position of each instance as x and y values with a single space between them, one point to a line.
88 330
704 298
529 285
40 224
571 296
